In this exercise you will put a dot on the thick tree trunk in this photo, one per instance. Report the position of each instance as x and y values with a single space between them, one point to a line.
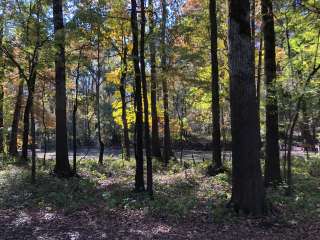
13 150
272 163
216 135
139 181
145 101
156 151
247 186
126 141
62 167
167 152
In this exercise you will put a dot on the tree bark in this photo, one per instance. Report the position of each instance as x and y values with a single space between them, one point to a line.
45 137
31 81
139 181
272 162
216 135
145 101
167 152
101 144
13 150
74 116
156 151
259 71
126 141
62 167
1 86
33 147
26 119
247 186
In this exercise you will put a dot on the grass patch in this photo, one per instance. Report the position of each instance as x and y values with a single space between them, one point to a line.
179 192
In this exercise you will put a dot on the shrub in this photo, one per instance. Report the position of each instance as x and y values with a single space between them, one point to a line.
314 167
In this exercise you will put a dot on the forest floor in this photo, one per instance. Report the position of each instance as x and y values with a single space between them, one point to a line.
101 204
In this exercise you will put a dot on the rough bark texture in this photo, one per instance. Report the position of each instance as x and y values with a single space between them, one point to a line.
167 152
13 150
126 141
247 186
156 151
145 101
139 181
216 135
272 163
62 167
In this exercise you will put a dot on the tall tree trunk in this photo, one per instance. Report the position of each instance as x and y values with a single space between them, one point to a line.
98 80
139 181
62 167
33 147
1 86
259 74
31 80
145 101
167 152
272 163
74 116
247 186
156 151
216 135
26 120
13 150
45 137
126 141
253 46
87 120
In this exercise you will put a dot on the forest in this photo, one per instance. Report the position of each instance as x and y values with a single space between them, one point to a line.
159 119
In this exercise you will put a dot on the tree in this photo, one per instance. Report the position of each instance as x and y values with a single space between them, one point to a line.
145 100
216 135
139 181
167 152
1 82
74 114
122 88
156 152
13 150
62 167
272 162
247 187
31 78
33 146
98 83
